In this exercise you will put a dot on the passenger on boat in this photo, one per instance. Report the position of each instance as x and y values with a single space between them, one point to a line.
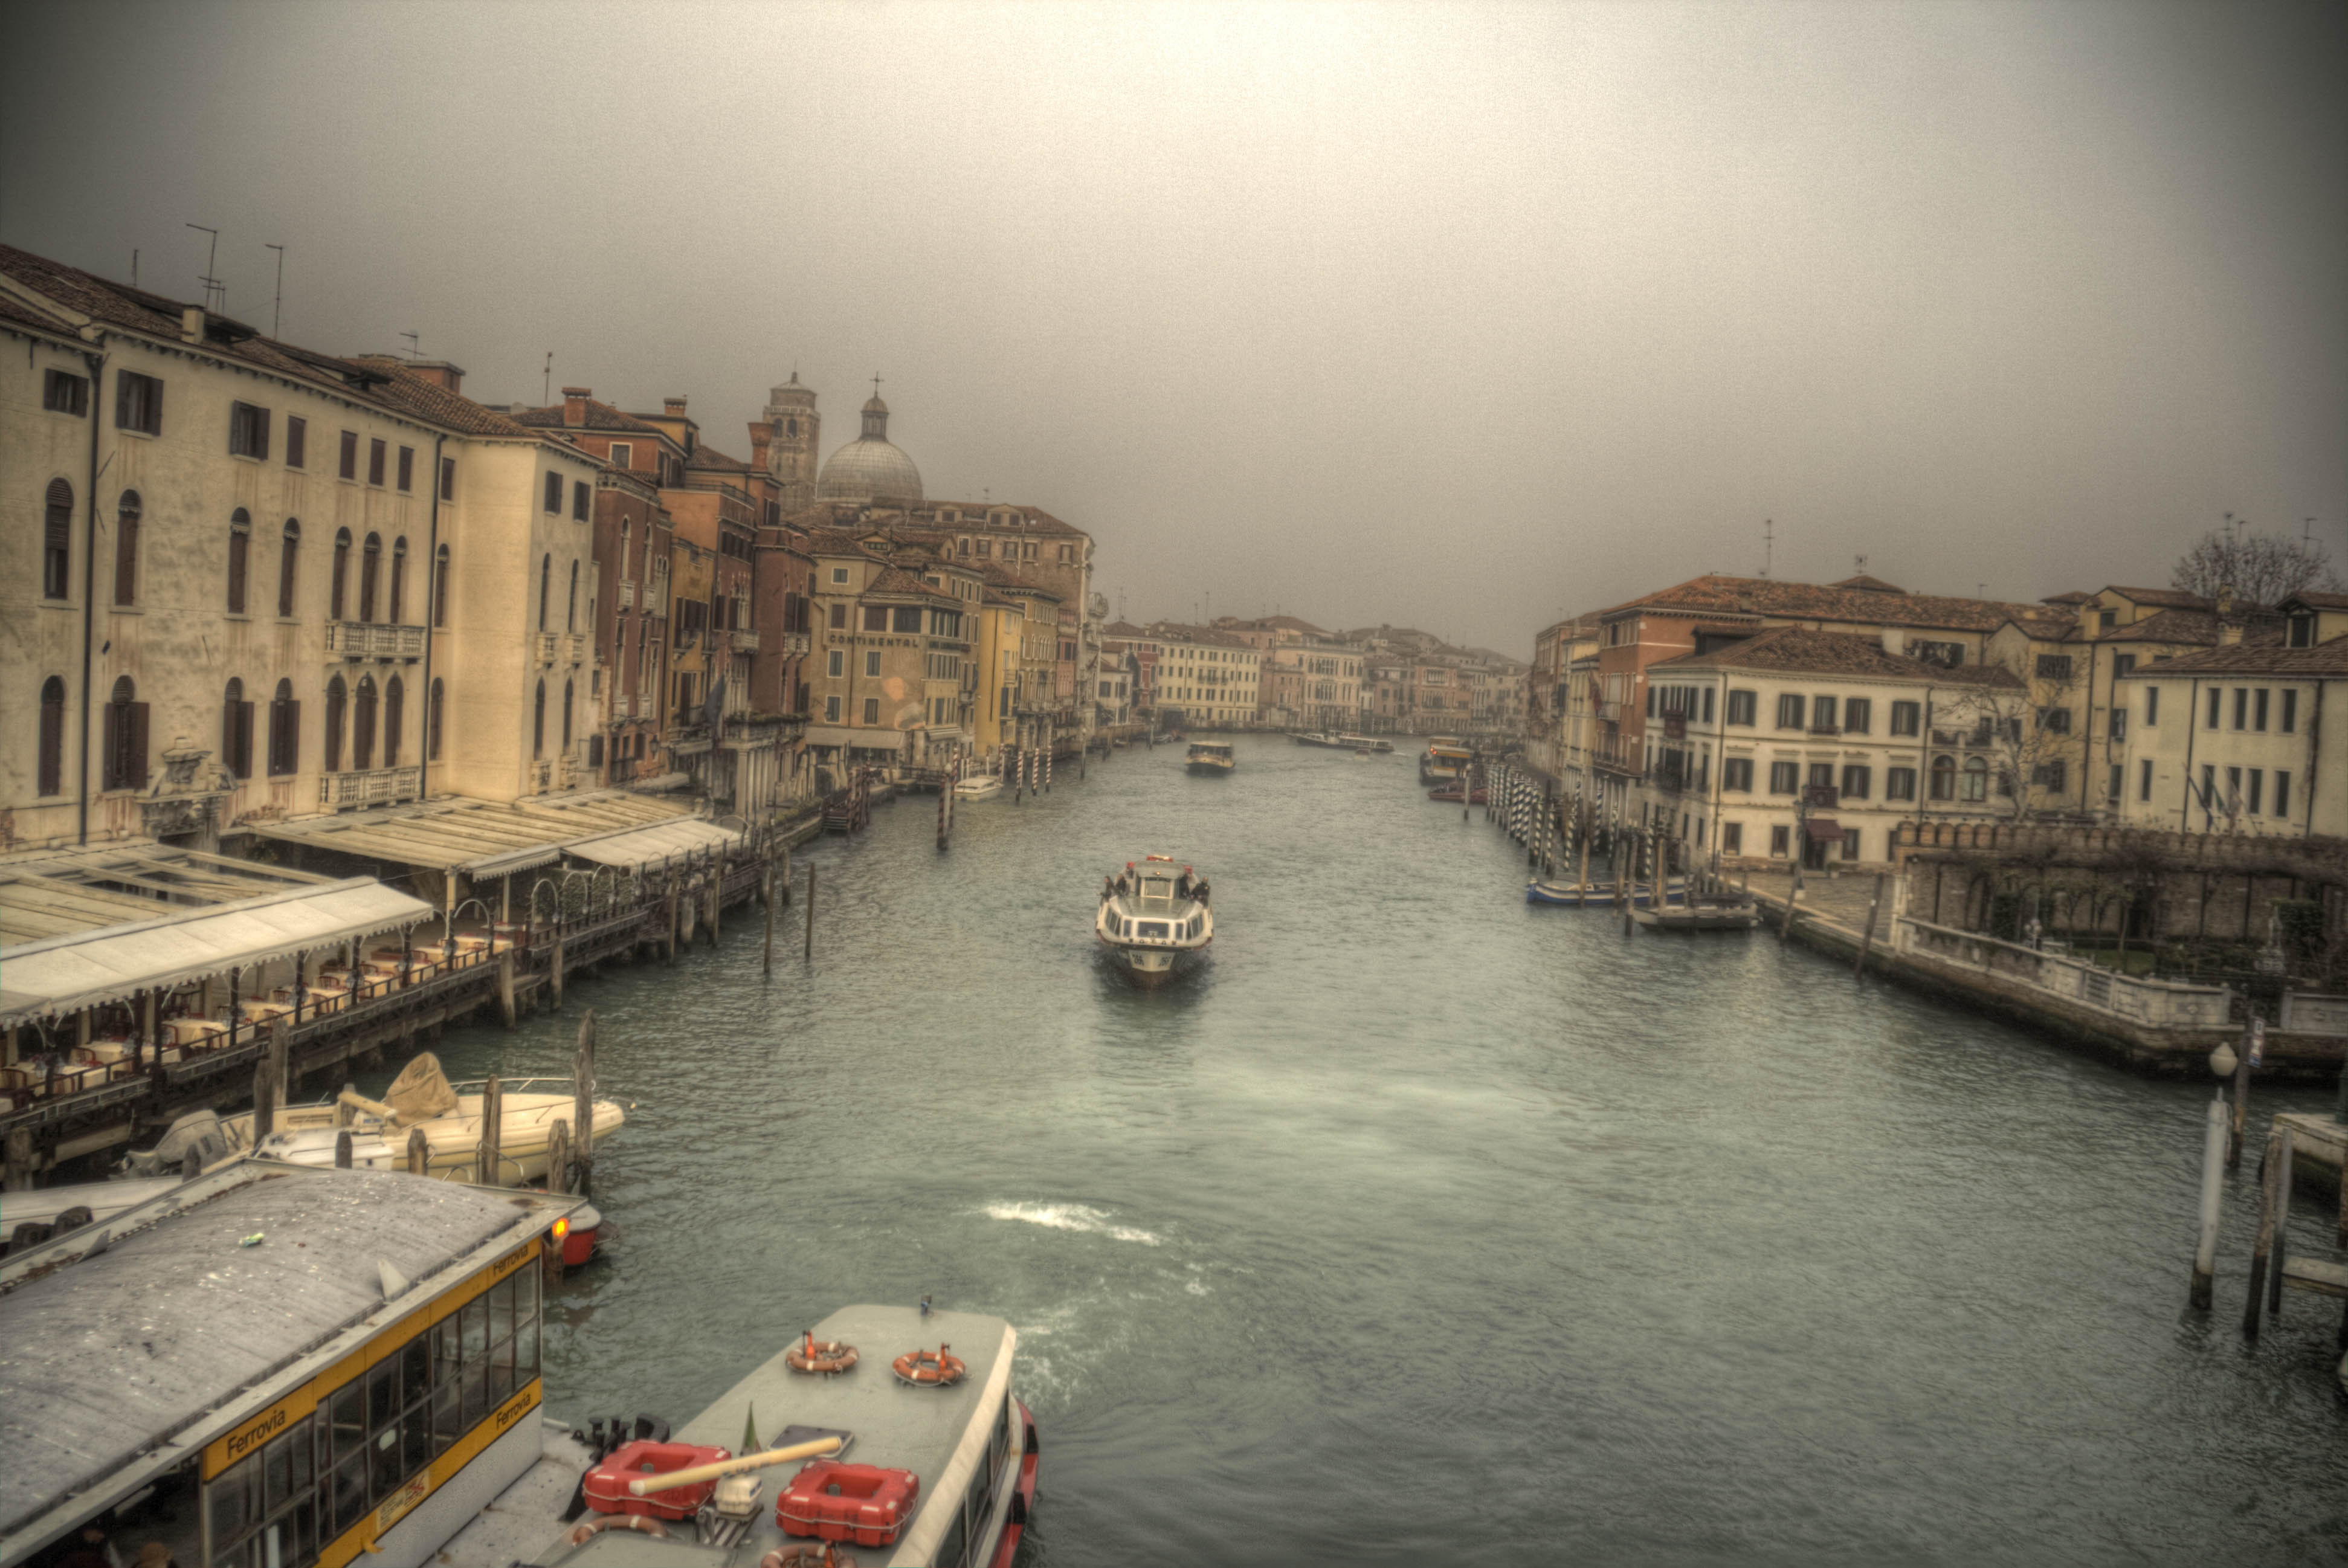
1200 890
1182 885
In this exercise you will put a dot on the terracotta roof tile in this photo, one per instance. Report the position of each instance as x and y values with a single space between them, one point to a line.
599 416
1763 597
1797 650
1867 584
2170 598
2317 599
2328 658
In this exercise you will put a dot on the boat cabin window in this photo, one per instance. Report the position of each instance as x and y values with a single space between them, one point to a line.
1154 930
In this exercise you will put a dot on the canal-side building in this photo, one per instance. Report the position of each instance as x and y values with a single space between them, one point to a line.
252 581
1817 745
2244 737
355 1383
1136 648
1551 744
893 629
1207 676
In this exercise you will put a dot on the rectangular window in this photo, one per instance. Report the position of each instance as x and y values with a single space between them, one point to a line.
1850 843
872 661
2152 707
876 617
579 494
2048 776
623 454
831 710
839 663
2208 787
1778 836
554 495
2289 710
2259 709
1858 716
1736 773
2112 791
1857 781
65 393
2217 698
2282 793
1900 783
138 403
1785 778
1732 837
2054 666
871 710
407 468
448 479
2241 708
2233 801
2119 723
1906 718
2258 790
909 618
378 451
840 574
2055 720
1707 704
1822 713
1789 711
298 440
350 463
2143 779
248 431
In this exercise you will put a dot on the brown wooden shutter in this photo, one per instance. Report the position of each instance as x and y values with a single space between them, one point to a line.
244 740
109 750
136 764
294 736
240 554
53 749
126 558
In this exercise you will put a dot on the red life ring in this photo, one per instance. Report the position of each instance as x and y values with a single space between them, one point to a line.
643 1523
929 1369
824 1355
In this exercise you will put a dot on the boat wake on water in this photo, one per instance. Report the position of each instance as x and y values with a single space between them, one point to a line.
1080 1217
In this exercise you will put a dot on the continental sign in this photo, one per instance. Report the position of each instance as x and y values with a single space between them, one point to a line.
249 1434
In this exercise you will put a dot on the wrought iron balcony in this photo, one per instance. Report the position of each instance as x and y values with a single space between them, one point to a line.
370 786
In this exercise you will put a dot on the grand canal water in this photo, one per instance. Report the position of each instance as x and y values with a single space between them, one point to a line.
1424 1225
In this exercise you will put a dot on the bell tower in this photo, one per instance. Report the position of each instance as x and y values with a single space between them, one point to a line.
790 427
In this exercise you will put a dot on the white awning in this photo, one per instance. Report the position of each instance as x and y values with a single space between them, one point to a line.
647 846
63 974
862 739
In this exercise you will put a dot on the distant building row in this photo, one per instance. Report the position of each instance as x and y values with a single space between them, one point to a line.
1760 720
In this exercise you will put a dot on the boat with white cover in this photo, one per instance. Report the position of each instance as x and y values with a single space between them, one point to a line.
1153 919
978 787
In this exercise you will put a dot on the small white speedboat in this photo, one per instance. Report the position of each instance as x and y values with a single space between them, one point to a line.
978 787
1154 921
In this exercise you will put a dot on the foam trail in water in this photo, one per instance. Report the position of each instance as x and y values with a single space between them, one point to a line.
1070 1217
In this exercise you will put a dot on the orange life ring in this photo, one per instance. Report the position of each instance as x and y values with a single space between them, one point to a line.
825 1356
810 1556
929 1369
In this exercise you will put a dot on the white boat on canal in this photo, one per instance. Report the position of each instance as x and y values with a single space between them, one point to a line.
978 787
1153 919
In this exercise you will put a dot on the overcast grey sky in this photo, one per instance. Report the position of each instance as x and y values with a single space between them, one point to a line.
1456 315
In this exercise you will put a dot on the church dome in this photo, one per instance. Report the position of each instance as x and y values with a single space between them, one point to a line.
870 467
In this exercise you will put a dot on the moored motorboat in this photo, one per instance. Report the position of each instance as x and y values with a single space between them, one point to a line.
1316 738
1210 756
892 1434
1450 792
1601 894
1153 919
1366 743
1704 914
978 787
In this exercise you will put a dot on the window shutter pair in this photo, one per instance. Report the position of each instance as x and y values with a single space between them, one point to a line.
53 749
284 738
125 747
236 734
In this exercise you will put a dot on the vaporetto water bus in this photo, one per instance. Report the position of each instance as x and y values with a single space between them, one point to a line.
1444 760
1212 757
1153 919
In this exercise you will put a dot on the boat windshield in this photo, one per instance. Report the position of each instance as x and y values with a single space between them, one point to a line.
1156 929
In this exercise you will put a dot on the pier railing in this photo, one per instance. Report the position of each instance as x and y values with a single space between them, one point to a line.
2155 1004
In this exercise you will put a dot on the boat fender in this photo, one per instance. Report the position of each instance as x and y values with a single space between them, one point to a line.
643 1523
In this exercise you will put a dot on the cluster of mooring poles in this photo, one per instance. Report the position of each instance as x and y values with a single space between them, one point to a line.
2272 1268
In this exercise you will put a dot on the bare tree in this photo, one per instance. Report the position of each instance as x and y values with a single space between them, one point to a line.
2027 745
2259 569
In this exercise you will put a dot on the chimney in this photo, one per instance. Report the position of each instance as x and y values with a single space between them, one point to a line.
673 407
448 377
192 324
575 404
2225 600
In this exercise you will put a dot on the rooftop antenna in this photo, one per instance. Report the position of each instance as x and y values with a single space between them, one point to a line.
1768 544
546 388
134 266
215 291
276 305
1858 564
414 346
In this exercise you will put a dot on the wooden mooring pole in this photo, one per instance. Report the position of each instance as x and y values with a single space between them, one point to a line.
2267 1249
488 1169
419 1152
2251 1031
2213 1190
808 918
343 1150
1867 937
582 1104
767 901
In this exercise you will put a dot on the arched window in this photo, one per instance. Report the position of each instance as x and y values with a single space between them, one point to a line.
363 724
289 560
57 543
284 732
395 707
570 612
236 731
627 529
124 752
240 557
434 708
1976 786
52 738
545 582
370 574
441 589
126 549
335 595
335 700
1945 778
538 724
566 715
398 579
